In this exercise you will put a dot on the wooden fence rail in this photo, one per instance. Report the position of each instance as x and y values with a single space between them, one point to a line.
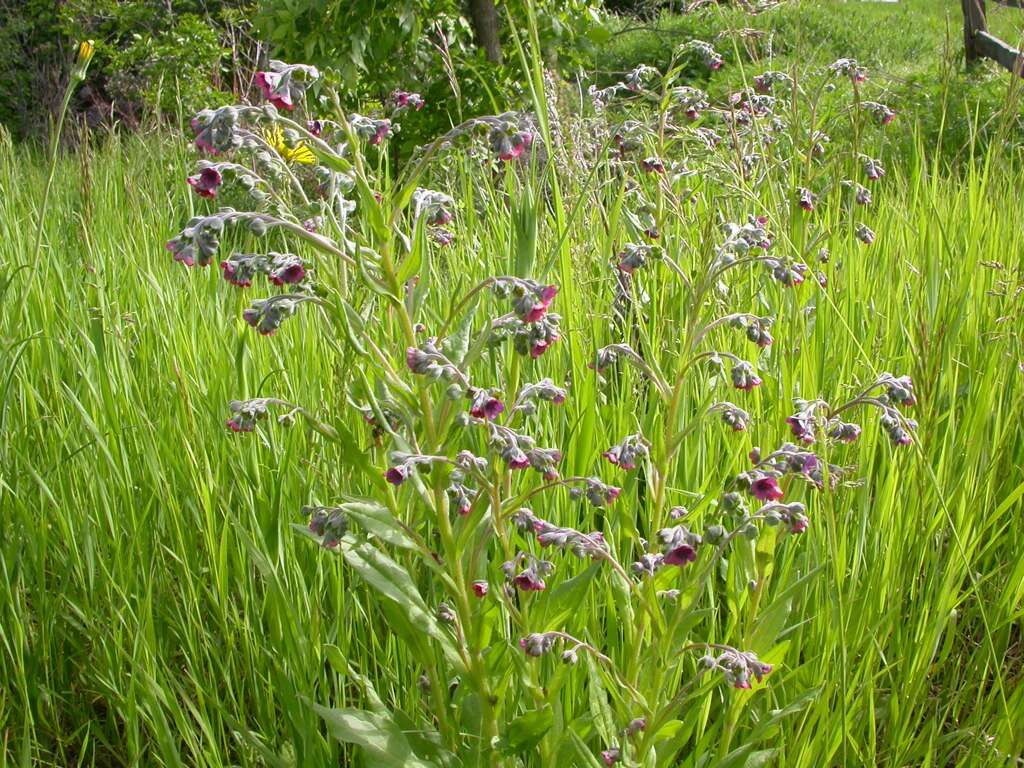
980 44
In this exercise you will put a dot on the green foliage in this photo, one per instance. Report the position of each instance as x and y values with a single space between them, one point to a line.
170 70
150 56
375 46
31 58
153 56
920 68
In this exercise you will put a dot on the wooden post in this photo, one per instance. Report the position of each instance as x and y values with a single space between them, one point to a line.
974 22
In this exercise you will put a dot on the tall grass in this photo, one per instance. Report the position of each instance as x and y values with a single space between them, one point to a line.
156 609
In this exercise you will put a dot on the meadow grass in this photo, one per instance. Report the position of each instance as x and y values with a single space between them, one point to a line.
157 609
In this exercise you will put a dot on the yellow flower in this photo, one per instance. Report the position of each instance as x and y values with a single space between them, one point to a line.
86 50
299 153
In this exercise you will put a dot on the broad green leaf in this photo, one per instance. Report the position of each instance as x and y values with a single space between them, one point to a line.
525 732
565 599
383 742
378 520
393 582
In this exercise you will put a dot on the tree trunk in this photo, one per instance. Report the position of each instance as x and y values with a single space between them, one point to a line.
484 16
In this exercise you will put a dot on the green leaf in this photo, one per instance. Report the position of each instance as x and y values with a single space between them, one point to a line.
525 732
355 329
604 719
378 520
564 600
457 344
382 740
393 582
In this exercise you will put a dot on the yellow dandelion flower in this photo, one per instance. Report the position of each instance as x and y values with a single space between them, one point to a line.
299 153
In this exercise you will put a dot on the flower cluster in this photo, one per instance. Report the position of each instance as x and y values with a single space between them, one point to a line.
848 68
435 207
283 85
509 143
330 523
246 413
544 390
595 491
766 81
757 329
399 100
634 256
372 131
881 112
520 451
531 326
280 268
733 416
582 545
267 315
428 360
526 573
711 58
627 453
679 545
738 667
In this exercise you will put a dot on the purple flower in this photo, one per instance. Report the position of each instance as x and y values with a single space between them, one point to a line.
518 460
238 426
545 295
653 165
842 431
626 454
397 475
206 182
679 545
509 144
286 269
733 416
900 390
611 756
239 270
743 376
635 256
864 234
402 99
480 588
802 426
485 406
766 489
806 198
269 84
442 236
537 644
529 581
681 555
873 169
266 315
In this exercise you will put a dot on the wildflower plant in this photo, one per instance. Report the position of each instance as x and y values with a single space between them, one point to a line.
479 519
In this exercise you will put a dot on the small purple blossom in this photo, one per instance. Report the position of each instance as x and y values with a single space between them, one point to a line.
406 99
766 488
206 182
679 545
864 234
625 454
485 405
743 376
